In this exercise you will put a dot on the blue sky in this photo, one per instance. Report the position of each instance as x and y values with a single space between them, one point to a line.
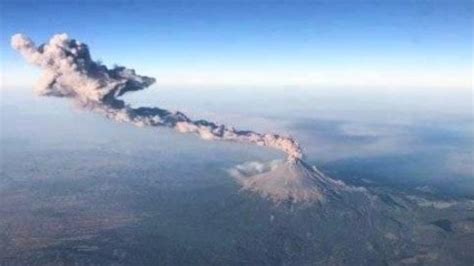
259 43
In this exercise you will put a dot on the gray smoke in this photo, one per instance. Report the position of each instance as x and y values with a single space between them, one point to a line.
69 71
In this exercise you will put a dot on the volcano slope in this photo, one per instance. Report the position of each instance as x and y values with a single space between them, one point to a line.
354 225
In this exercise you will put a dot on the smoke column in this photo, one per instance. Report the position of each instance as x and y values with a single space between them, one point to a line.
69 71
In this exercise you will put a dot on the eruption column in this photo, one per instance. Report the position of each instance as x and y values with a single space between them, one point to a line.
69 71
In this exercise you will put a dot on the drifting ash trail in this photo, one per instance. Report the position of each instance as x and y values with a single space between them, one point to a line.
70 72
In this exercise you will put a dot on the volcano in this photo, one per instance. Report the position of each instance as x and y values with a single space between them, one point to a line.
292 180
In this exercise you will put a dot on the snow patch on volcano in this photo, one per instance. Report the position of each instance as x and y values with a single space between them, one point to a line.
289 180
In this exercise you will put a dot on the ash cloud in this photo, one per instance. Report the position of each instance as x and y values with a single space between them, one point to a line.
70 72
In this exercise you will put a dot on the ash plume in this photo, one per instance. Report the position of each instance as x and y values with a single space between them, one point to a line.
69 71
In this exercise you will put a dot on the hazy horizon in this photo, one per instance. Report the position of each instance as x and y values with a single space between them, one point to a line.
285 43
